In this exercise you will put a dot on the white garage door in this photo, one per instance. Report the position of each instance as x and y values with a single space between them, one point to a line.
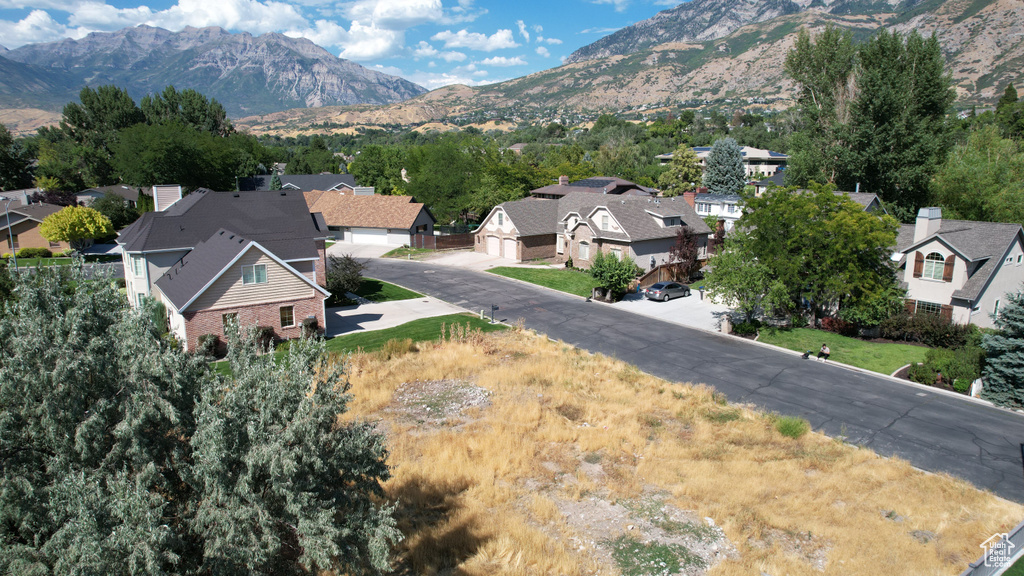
369 236
510 248
493 246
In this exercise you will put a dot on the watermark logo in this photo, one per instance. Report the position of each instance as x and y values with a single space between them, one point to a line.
998 550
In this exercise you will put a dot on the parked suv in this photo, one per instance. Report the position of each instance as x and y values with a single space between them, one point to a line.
665 291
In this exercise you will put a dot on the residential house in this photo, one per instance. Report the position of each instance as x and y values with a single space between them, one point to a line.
304 182
755 160
23 231
596 185
726 208
18 197
580 224
257 257
129 193
371 219
762 186
958 269
870 202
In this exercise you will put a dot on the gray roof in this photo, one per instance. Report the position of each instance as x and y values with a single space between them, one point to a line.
718 198
635 214
865 199
36 211
533 216
776 179
597 184
979 242
130 193
303 182
279 220
183 281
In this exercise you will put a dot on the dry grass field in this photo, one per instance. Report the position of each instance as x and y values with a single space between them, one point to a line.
512 454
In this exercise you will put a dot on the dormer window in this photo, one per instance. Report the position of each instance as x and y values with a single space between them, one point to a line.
604 222
501 218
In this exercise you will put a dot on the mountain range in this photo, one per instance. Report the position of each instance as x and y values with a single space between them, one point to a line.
247 74
700 51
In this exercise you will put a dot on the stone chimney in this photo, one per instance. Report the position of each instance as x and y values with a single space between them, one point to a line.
928 222
691 198
563 180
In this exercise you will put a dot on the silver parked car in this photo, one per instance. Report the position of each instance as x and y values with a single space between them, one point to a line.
665 291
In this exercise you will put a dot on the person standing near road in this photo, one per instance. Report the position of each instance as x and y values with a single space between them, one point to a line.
824 352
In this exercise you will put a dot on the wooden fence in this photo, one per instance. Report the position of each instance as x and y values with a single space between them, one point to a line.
448 242
663 273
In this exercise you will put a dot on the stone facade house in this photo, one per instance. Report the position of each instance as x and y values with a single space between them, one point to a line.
958 269
257 257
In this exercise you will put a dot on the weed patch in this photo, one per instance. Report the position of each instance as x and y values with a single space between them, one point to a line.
791 426
636 558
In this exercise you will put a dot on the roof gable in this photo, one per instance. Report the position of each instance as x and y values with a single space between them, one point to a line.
366 211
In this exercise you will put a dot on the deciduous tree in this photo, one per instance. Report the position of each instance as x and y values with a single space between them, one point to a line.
683 174
116 209
76 225
15 173
982 179
683 255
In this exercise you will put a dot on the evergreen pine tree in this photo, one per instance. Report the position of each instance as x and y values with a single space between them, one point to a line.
723 169
275 182
1004 367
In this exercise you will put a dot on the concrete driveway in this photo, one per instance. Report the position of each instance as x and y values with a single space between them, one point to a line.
690 311
377 316
470 260
359 250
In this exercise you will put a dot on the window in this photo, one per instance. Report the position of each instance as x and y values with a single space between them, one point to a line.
560 244
54 245
730 208
934 265
12 242
228 320
930 308
140 299
138 266
287 316
617 253
1019 257
704 207
584 251
604 222
501 218
995 309
255 274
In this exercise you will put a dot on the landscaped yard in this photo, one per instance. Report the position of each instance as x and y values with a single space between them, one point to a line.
405 252
26 262
571 281
371 341
882 357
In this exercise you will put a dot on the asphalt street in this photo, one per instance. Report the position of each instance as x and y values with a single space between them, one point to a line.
931 430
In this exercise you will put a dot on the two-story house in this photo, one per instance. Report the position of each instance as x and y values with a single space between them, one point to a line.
581 224
959 269
254 257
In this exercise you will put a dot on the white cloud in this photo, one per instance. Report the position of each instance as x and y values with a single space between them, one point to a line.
323 33
392 70
596 31
452 56
543 40
465 11
394 14
424 50
106 17
523 30
37 26
476 41
371 43
434 80
542 51
249 15
431 64
503 61
620 5
538 28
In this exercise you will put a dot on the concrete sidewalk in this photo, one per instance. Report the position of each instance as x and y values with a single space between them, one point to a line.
377 316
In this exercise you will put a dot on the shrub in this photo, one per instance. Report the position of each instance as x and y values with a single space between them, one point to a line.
34 253
839 326
922 374
927 329
746 328
310 327
962 386
613 274
208 345
964 363
798 321
264 336
344 274
792 426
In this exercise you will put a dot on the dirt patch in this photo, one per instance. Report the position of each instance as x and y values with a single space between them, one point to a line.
438 401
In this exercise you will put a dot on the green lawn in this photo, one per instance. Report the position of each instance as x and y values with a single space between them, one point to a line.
875 356
571 281
380 291
1017 569
370 341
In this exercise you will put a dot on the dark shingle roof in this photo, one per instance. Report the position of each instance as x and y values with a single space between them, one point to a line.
597 184
299 181
773 180
36 211
636 215
279 220
976 241
127 192
198 268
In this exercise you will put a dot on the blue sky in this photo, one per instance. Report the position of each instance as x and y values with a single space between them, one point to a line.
430 42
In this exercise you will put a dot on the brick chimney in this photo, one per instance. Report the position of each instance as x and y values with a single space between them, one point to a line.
691 198
702 190
563 180
928 222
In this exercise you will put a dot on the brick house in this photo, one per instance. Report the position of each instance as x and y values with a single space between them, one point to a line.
959 269
580 224
24 228
182 257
